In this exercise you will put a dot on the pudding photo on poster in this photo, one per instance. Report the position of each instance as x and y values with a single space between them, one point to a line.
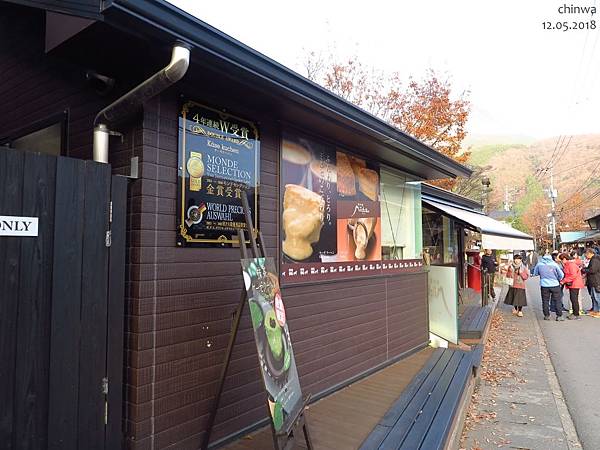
359 239
309 176
330 204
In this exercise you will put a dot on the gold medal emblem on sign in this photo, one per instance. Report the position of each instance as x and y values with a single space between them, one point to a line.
195 168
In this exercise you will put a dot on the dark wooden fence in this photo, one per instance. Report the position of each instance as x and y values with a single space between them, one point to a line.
61 304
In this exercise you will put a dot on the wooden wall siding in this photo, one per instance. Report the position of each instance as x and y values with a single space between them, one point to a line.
35 87
182 300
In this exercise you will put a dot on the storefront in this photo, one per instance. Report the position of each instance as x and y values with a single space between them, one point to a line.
455 232
333 190
444 235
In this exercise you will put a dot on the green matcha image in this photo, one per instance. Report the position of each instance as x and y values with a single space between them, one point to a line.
277 415
274 334
256 314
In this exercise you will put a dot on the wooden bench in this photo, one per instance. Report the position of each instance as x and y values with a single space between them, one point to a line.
477 354
423 416
473 321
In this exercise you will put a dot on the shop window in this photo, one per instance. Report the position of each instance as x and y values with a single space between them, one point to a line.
46 137
400 202
440 240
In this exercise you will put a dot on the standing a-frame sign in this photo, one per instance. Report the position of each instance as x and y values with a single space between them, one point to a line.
276 358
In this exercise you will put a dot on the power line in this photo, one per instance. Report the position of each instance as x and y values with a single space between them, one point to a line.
557 153
571 168
587 183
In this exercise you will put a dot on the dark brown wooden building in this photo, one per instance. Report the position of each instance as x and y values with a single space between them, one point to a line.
62 62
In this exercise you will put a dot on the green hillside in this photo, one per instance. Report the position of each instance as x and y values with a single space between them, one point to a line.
482 154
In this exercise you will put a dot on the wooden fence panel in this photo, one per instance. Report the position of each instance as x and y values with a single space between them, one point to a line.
94 306
11 195
66 305
35 294
116 313
61 314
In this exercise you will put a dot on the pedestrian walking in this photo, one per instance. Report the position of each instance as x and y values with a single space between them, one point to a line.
531 260
574 254
560 304
550 275
489 265
516 296
573 280
592 280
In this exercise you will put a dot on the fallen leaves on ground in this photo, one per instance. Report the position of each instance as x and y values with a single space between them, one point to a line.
502 357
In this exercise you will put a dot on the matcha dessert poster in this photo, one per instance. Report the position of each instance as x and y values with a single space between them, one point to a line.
273 343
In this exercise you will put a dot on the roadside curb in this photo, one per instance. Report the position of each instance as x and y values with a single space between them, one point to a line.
565 416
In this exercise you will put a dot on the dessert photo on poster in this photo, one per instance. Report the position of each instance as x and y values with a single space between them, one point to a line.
330 205
272 338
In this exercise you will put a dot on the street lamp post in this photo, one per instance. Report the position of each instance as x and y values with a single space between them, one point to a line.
486 190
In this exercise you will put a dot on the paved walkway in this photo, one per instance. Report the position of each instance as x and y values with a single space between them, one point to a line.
519 404
576 359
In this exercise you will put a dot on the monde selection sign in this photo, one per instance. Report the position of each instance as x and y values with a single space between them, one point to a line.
272 337
219 158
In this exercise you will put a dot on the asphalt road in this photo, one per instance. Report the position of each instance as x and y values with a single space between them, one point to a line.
575 353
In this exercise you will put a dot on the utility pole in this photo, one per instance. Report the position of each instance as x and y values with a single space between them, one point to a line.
553 195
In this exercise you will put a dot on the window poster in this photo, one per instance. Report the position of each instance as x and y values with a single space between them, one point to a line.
331 218
272 337
443 302
219 158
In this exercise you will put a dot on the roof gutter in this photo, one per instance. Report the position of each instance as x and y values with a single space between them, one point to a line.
181 25
124 106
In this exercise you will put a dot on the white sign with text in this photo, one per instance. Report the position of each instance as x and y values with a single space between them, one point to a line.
18 226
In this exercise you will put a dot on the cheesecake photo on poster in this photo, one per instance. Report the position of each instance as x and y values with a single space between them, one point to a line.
309 188
356 181
358 213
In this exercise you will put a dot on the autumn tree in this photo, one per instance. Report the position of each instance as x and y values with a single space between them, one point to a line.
426 109
572 213
535 221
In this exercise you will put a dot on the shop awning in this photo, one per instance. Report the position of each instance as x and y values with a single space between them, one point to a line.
571 237
494 234
591 237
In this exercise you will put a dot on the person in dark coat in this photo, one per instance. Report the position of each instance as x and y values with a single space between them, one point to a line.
592 280
531 260
488 263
